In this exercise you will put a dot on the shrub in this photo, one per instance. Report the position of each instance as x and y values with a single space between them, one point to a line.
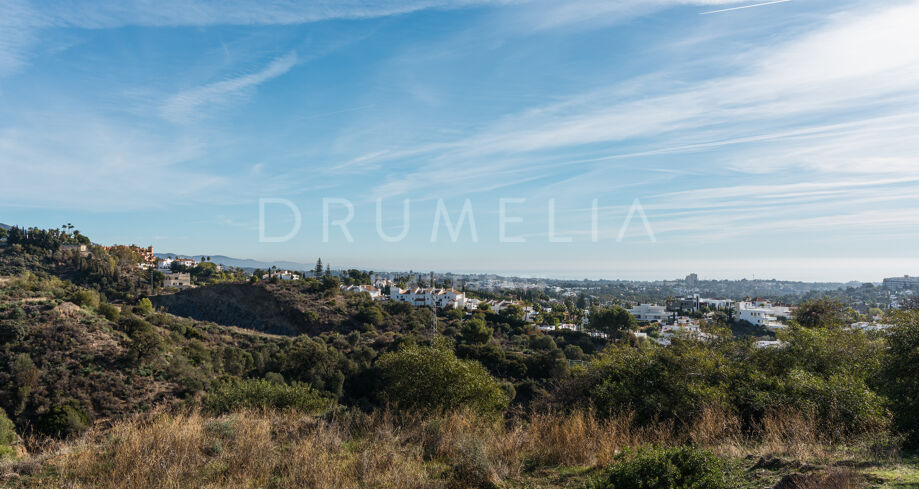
429 379
86 298
234 394
7 430
144 307
665 468
110 312
68 418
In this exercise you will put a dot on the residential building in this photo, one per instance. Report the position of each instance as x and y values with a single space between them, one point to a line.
82 249
760 314
902 283
717 303
443 298
177 280
684 305
374 292
650 312
282 275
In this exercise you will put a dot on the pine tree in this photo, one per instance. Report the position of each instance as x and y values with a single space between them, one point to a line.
317 272
328 270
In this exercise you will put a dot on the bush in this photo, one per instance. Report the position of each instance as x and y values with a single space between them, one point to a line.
143 307
65 419
7 436
7 430
430 379
665 468
110 312
86 298
234 394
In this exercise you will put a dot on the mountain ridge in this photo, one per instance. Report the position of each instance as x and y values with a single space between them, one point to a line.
244 263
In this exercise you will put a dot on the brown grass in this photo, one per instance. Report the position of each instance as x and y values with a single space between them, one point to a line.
354 450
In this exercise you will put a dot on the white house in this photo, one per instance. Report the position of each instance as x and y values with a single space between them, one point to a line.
374 292
444 298
282 275
760 315
717 303
472 304
650 312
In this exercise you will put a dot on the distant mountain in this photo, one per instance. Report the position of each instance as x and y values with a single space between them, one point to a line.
4 226
245 263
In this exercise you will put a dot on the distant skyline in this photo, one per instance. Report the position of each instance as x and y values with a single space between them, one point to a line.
767 139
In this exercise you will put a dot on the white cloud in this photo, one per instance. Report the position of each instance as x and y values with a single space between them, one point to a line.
86 162
858 68
183 106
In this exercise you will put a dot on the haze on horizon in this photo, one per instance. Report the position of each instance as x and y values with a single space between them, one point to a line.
774 140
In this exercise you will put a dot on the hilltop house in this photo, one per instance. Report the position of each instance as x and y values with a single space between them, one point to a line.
282 275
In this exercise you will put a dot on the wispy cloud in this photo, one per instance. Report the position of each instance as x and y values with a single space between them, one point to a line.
184 106
859 67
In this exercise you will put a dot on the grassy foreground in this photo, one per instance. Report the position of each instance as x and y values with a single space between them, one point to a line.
354 450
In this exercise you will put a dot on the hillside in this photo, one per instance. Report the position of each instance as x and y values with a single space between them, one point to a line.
296 384
262 307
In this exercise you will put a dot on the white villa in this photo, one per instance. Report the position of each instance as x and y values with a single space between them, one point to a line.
761 314
445 298
374 292
282 275
650 312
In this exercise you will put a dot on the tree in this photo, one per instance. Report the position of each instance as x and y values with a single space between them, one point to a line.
317 271
901 374
823 312
431 379
476 331
613 321
144 306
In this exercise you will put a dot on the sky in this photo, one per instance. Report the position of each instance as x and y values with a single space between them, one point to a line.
620 139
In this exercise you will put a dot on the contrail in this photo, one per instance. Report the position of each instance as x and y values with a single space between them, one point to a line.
745 6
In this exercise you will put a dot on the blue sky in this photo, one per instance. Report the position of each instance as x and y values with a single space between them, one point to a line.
771 141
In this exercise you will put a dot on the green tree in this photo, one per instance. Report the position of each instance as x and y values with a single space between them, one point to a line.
613 321
430 379
823 312
476 331
144 306
317 270
901 374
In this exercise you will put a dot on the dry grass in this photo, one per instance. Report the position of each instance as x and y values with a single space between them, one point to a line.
353 450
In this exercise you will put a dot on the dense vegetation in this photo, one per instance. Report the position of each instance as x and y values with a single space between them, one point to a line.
82 344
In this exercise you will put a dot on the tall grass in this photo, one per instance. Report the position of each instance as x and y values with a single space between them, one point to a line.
382 450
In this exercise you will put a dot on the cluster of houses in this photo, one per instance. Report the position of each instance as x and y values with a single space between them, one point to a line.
417 296
281 275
